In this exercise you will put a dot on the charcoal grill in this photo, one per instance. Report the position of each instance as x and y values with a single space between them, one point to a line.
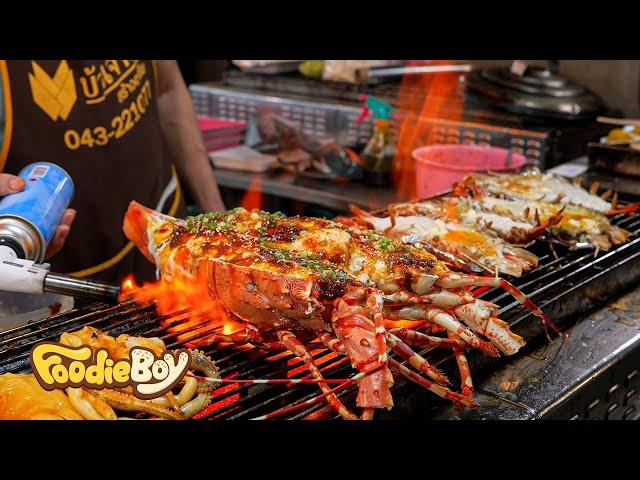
564 287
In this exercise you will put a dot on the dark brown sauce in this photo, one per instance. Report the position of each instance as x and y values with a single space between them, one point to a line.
284 232
246 249
268 239
332 289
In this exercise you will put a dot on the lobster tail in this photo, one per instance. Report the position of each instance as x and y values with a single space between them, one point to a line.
135 225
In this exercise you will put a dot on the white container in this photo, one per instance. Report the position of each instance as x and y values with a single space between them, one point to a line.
17 309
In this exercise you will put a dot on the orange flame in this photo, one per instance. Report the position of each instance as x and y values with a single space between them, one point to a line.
187 307
422 97
253 196
408 324
128 286
189 311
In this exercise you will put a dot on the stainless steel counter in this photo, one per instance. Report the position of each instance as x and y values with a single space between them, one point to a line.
336 196
594 373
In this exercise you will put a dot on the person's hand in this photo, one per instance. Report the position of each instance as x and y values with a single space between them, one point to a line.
11 184
62 232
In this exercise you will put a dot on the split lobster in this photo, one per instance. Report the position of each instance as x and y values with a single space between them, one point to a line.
289 277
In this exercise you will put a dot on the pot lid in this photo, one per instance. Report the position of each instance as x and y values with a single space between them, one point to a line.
538 92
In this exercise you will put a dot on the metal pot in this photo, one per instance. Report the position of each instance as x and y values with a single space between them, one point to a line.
539 92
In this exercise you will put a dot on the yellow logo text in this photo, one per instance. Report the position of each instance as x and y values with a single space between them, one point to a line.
58 366
99 81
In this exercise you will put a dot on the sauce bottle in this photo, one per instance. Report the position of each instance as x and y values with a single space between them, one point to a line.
378 154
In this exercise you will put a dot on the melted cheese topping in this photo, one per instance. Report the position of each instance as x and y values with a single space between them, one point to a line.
300 247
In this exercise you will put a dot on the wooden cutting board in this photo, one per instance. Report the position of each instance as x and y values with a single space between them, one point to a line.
243 158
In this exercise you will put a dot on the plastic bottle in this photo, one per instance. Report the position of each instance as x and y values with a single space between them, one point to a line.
378 154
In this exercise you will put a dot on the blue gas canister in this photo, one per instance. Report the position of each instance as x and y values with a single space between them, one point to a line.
28 220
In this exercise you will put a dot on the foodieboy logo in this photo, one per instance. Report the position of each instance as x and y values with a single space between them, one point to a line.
59 366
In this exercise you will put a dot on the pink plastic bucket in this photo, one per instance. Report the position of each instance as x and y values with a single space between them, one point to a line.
439 167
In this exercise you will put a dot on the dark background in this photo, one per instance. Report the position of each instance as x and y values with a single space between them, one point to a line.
195 71
616 81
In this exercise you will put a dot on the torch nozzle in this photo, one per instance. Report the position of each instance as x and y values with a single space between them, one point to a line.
79 287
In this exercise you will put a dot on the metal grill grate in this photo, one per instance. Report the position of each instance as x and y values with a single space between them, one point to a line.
563 287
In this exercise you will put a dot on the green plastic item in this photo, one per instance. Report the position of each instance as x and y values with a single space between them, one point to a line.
380 109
